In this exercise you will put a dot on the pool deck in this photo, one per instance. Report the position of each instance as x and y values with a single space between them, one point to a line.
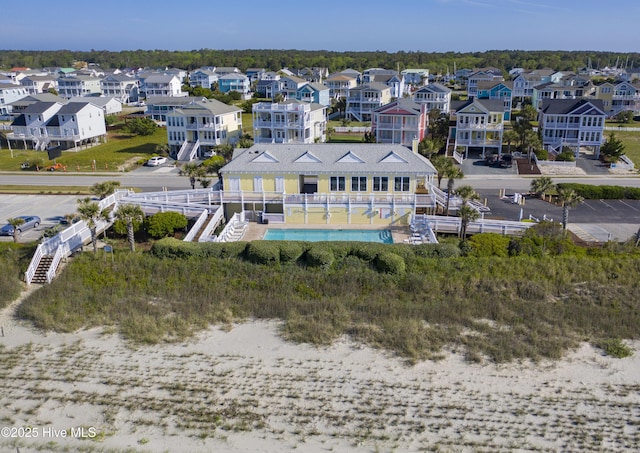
255 231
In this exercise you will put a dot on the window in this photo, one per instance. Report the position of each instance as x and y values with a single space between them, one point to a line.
380 184
358 183
337 184
401 184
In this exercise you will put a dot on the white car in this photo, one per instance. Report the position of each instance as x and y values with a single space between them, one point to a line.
156 160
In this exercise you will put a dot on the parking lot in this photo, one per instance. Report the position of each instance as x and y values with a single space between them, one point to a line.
48 207
601 220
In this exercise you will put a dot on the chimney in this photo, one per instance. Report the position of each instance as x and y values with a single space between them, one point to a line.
414 145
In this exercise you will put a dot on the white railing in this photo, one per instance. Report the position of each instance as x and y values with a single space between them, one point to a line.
190 236
234 230
69 239
553 163
207 231
453 225
458 157
51 272
31 270
182 149
621 128
352 129
624 162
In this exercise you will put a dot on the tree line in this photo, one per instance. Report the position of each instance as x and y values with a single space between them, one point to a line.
270 59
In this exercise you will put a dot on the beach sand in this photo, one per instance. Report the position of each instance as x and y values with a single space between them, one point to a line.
243 388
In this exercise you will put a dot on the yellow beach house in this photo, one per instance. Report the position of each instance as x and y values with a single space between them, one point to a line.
328 183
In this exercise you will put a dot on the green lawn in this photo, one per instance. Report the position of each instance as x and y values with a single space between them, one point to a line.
119 149
631 142
351 124
247 123
345 138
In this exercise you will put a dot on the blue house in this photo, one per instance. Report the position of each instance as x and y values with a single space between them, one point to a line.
497 91
235 82
314 92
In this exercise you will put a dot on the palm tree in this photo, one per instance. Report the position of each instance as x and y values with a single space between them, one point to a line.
130 214
90 212
467 214
105 188
569 198
441 164
510 136
190 170
540 186
430 146
467 193
15 222
452 173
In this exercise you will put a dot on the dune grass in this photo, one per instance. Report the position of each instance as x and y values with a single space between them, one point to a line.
14 259
503 308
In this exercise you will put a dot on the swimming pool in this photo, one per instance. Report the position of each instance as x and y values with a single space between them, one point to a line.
382 236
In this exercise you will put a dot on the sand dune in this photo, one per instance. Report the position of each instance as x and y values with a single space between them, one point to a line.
247 390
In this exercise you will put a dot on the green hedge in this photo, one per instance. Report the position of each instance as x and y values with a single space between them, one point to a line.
263 252
319 255
603 192
385 258
390 263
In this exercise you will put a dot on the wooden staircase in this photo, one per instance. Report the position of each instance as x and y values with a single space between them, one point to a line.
40 276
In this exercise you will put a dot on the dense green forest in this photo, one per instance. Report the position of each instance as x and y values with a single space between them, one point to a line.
335 61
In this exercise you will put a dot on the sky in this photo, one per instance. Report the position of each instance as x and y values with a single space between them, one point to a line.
336 25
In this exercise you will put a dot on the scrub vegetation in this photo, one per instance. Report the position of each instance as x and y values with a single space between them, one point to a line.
532 297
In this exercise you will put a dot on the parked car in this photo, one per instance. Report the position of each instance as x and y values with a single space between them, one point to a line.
156 160
491 159
506 161
29 222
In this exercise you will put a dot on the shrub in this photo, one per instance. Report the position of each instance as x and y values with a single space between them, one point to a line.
120 227
603 192
489 244
365 251
141 126
566 155
290 251
319 256
390 263
165 223
263 252
437 250
614 347
542 154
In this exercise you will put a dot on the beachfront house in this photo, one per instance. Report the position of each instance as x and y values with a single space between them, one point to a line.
376 184
574 123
